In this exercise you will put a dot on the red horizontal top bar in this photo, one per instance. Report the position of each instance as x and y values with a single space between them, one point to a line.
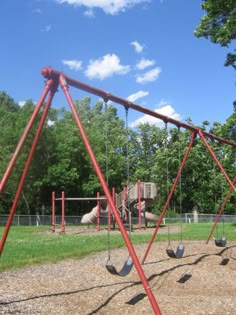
49 73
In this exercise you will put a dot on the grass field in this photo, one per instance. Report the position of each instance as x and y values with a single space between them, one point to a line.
26 246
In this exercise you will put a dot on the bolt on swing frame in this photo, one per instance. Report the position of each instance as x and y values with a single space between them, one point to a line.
55 78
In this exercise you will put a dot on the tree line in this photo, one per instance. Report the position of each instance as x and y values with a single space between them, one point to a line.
148 153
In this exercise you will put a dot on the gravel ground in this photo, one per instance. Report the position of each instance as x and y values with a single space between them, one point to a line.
83 287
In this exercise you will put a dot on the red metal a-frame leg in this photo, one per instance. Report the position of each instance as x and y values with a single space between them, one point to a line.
51 86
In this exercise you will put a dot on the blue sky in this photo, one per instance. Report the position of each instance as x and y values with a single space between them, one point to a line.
141 50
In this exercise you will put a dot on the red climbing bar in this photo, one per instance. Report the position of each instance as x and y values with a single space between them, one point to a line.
53 212
139 205
62 212
129 245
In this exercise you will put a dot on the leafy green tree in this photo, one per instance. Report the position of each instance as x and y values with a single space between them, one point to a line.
145 142
227 156
9 137
115 140
148 153
7 146
14 128
107 135
219 25
7 103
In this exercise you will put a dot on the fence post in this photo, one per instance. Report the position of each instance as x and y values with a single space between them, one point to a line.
62 212
195 215
98 211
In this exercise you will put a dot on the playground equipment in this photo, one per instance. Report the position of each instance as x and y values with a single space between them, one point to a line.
148 216
89 218
62 211
140 196
147 195
53 80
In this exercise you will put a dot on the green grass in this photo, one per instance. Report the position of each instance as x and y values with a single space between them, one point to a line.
27 246
201 231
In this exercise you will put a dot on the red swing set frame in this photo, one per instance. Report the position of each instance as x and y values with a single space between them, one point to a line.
55 79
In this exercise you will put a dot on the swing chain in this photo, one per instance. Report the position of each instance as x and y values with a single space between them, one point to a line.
127 143
180 187
167 162
127 166
106 140
107 165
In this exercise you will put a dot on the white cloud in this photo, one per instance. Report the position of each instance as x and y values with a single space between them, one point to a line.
89 13
38 11
166 110
111 7
50 122
73 64
149 76
137 46
21 103
105 67
144 63
135 96
47 28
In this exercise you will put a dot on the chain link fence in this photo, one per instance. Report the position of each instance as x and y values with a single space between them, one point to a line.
41 220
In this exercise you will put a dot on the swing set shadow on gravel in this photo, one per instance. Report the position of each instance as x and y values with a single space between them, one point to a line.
54 79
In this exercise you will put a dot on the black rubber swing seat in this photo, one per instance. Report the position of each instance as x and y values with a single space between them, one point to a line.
176 254
221 242
125 270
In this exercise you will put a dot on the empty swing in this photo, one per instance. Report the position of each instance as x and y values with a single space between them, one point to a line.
125 270
128 264
179 252
221 241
